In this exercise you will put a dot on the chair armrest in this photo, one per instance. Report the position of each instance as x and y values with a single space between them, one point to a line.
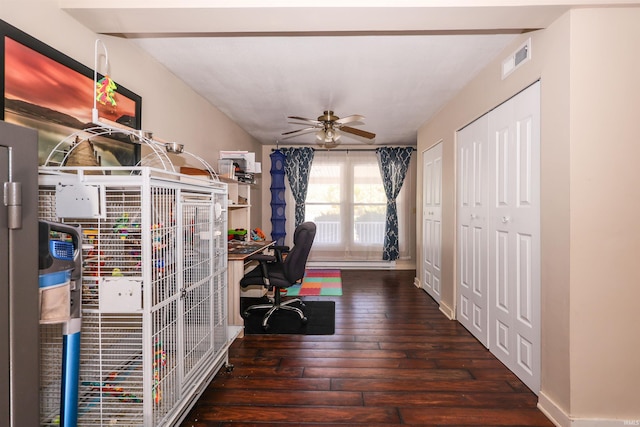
261 258
281 248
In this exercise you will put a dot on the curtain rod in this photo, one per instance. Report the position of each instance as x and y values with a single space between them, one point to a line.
335 149
339 149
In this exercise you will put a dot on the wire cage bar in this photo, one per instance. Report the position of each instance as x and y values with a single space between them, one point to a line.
154 289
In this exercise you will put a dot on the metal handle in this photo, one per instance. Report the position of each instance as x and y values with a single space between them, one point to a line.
505 219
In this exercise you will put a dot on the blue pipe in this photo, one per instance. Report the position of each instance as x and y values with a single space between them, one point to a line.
70 377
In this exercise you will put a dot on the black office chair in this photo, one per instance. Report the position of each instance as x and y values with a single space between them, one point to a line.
281 270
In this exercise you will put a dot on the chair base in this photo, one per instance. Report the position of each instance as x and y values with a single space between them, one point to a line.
277 304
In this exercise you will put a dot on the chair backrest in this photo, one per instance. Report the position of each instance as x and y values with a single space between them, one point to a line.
295 262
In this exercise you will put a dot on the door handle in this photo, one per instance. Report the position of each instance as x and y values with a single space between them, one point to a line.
505 219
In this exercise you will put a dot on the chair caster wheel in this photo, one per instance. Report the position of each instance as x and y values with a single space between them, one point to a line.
246 314
266 327
229 367
304 320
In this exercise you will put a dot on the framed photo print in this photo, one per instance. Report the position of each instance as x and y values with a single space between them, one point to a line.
46 90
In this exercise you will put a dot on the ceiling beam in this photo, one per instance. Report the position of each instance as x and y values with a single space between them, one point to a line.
189 17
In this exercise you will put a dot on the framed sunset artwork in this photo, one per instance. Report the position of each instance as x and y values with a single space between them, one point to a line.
46 90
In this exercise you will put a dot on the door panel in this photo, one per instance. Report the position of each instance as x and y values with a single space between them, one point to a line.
502 166
432 219
437 256
514 276
524 290
472 228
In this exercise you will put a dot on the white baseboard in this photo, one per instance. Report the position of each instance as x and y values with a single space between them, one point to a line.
561 419
447 311
354 265
552 411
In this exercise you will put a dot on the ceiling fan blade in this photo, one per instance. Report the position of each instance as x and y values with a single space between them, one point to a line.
298 133
358 132
349 119
298 130
303 119
315 125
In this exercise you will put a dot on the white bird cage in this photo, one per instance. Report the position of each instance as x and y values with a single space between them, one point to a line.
154 292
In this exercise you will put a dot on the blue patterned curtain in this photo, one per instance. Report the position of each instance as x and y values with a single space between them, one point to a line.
297 167
393 162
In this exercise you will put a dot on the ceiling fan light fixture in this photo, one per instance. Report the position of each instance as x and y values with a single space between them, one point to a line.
329 134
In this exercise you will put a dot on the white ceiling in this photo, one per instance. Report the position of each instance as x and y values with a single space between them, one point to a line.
395 62
396 82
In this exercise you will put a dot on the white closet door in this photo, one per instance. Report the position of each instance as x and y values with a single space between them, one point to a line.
472 231
432 220
514 230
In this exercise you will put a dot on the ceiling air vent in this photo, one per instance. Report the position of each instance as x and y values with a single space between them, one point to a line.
516 59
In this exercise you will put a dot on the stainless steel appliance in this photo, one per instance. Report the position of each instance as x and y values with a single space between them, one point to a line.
19 340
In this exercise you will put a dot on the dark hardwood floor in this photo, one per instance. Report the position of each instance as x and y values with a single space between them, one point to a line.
394 360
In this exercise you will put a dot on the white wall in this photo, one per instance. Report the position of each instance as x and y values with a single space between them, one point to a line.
605 201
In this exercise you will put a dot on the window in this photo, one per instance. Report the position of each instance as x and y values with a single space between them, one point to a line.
346 200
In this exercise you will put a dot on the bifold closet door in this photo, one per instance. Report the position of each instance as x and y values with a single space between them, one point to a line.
498 232
514 230
473 157
432 220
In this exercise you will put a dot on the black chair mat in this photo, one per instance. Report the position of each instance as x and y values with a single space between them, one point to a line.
320 315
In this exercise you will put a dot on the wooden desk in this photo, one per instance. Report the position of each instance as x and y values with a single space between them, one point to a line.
238 252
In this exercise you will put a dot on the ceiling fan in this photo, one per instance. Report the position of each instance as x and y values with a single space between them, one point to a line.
328 128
